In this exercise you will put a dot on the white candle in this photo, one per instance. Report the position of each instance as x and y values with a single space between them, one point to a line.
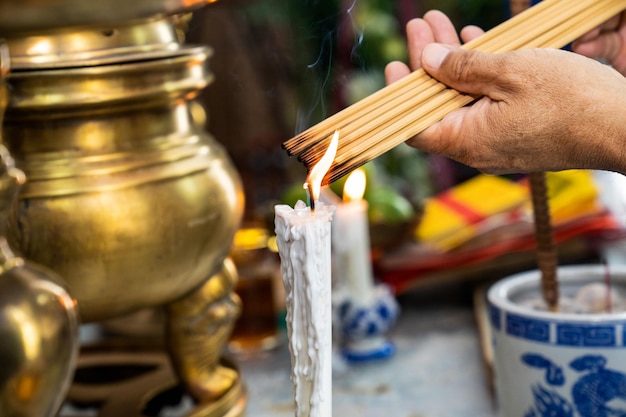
304 246
303 239
352 241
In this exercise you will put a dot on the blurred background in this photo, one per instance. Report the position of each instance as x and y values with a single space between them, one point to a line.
440 231
281 66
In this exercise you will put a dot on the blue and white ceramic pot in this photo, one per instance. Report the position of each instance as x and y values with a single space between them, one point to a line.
558 363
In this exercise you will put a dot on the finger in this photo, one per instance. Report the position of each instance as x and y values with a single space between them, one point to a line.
428 140
609 25
607 46
592 34
471 32
454 138
442 137
442 28
395 70
468 71
419 34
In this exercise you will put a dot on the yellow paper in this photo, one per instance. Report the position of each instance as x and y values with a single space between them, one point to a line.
461 213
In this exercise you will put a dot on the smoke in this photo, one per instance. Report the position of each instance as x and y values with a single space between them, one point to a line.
321 71
337 50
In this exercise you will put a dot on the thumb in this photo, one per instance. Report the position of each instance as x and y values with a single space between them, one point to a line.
464 70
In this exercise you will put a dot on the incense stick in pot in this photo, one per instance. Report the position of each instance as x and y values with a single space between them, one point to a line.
547 261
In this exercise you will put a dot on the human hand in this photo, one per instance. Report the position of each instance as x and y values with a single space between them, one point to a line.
541 109
607 42
435 26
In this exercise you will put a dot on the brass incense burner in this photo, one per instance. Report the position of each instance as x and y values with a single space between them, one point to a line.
135 201
126 198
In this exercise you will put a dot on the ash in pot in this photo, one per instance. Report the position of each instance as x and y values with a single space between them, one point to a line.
594 298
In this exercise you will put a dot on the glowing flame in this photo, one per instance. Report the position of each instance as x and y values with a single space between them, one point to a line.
319 170
354 188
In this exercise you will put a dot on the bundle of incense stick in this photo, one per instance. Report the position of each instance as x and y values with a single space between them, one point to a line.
403 109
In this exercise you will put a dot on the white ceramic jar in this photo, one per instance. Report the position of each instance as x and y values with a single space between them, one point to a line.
557 363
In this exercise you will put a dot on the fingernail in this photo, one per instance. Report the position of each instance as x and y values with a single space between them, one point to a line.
433 55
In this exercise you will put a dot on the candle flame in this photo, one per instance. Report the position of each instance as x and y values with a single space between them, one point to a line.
316 174
354 188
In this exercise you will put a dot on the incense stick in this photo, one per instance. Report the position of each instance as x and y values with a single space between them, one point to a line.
547 260
403 109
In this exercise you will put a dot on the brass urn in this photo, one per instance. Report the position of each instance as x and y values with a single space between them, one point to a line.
127 198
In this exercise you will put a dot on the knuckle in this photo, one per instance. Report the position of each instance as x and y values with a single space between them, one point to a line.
462 66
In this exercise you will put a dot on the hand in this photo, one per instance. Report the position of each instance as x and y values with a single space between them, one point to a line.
541 109
433 27
607 42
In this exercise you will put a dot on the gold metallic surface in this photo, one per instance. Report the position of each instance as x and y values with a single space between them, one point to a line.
22 17
38 318
144 382
198 328
96 45
39 333
127 199
54 93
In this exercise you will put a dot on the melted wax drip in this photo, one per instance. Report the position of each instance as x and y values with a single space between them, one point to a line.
303 241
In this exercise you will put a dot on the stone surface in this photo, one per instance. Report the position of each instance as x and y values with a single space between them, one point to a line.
437 370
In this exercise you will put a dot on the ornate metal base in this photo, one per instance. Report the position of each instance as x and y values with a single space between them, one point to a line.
141 383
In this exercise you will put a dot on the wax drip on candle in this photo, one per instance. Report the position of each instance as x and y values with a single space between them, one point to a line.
305 253
313 184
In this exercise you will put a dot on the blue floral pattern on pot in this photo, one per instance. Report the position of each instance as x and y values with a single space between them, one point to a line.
592 392
363 326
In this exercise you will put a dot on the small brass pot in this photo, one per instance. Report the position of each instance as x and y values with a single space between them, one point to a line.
127 199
